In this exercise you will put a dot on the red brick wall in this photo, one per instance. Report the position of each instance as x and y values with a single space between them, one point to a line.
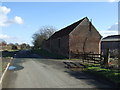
83 40
58 45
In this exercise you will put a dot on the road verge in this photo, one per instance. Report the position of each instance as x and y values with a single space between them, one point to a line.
4 73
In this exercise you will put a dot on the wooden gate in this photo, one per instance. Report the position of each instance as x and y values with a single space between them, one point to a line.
88 57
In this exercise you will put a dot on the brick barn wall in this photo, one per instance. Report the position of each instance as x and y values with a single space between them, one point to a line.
83 40
59 45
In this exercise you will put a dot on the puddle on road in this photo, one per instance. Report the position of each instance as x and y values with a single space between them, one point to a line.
11 67
15 67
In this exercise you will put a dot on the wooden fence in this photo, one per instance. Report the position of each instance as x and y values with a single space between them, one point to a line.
89 58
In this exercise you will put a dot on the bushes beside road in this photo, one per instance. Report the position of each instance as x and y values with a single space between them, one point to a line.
9 53
47 54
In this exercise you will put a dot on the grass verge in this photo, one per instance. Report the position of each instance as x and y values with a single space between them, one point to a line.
110 74
3 63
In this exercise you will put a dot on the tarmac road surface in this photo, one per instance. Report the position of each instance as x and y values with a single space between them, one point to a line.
48 73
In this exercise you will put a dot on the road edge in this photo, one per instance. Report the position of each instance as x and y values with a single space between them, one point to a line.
4 73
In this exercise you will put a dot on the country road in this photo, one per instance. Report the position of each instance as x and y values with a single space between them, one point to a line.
47 73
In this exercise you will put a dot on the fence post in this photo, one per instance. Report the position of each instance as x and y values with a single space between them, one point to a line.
94 59
69 54
87 58
100 59
83 57
119 58
106 58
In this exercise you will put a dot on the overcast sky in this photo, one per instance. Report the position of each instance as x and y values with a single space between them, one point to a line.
20 20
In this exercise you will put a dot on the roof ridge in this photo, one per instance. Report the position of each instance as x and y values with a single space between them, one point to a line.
112 36
67 29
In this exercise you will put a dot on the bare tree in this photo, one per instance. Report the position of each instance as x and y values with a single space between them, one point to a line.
43 34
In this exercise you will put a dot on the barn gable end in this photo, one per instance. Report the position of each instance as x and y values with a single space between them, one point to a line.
85 38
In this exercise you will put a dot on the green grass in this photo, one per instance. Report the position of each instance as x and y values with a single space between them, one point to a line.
6 55
4 65
47 54
111 74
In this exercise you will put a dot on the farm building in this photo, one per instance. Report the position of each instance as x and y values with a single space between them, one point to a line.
80 36
112 43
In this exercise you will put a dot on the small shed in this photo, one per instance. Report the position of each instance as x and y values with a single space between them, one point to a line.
112 43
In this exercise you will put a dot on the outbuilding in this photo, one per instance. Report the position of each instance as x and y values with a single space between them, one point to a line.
112 43
80 36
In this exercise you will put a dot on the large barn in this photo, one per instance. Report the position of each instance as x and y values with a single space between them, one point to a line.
80 36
